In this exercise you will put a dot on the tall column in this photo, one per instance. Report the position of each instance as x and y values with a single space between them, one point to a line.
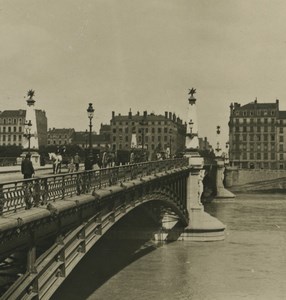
221 192
202 226
31 142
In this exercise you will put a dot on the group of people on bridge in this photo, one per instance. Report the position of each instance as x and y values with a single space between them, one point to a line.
104 159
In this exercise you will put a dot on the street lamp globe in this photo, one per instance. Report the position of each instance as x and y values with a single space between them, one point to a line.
90 111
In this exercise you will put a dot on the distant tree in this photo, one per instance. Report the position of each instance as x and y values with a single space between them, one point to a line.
10 151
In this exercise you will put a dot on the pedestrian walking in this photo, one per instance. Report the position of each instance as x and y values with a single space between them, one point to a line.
27 168
76 161
88 163
71 166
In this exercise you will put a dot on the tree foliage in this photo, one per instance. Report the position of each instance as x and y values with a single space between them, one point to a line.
10 151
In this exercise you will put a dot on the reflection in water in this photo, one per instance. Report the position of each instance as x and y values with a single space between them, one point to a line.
249 264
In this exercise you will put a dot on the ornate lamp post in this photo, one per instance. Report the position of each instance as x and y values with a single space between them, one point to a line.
90 113
28 127
218 145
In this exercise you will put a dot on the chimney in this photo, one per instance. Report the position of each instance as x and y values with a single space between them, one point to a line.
166 114
138 113
113 114
170 115
145 113
174 117
130 114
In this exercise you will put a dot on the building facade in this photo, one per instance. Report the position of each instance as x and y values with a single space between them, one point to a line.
98 141
60 136
257 135
153 132
12 127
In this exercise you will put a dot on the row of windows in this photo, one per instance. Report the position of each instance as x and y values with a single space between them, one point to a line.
11 121
251 147
11 137
146 138
146 130
146 123
9 129
257 138
252 129
257 121
264 112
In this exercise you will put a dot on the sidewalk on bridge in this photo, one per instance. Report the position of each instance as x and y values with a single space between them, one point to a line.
17 168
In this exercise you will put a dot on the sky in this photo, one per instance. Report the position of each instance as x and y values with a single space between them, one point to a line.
141 55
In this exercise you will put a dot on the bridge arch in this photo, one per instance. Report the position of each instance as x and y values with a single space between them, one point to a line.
86 219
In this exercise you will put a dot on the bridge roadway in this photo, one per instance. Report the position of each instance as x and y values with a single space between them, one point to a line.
75 210
12 173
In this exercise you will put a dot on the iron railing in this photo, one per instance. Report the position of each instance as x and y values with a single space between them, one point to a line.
28 193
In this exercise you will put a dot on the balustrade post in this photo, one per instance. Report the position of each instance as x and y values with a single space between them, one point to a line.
27 194
37 190
2 200
78 183
88 182
100 177
63 187
45 195
84 182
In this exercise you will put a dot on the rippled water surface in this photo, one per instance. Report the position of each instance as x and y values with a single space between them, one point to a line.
249 264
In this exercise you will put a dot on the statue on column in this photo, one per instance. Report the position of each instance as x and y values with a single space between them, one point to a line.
192 91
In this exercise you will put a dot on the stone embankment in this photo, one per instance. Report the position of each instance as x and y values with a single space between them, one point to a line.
254 180
277 185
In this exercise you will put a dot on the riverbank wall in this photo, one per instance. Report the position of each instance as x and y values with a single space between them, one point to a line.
247 180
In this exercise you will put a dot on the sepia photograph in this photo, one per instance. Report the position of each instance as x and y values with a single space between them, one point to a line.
142 149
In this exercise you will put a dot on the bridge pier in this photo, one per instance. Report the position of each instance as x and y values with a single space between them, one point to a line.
202 226
221 191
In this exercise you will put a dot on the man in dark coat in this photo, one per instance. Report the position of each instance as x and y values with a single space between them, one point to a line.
27 168
88 163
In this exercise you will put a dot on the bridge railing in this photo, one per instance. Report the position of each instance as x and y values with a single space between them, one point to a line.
28 193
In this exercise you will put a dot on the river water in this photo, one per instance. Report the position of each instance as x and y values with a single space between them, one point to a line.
249 264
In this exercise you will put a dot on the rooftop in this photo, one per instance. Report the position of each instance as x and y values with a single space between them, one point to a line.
13 113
